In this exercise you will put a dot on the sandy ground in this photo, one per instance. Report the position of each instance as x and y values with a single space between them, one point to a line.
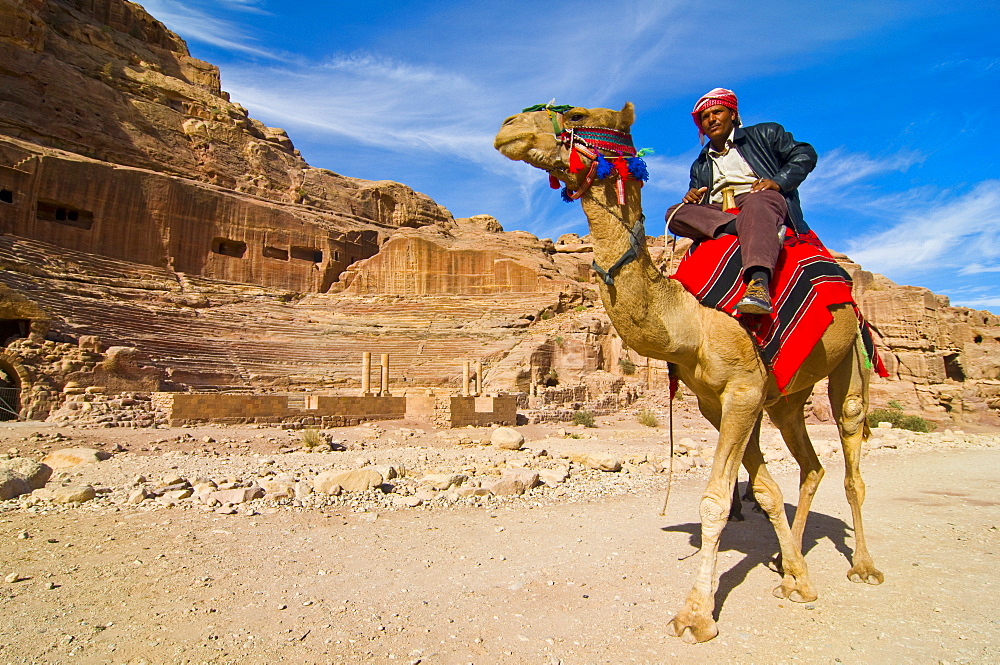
584 573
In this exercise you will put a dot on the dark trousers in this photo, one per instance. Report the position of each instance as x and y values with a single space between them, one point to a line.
761 216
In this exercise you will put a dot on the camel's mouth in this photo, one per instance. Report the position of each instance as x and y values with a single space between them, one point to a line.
520 147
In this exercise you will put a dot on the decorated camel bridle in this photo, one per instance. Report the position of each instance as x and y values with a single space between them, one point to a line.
597 145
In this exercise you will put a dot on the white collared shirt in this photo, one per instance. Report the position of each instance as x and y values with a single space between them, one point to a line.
730 170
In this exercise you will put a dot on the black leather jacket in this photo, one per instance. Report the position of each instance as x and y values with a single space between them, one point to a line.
772 153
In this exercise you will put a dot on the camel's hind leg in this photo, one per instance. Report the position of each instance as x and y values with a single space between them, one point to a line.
788 416
849 400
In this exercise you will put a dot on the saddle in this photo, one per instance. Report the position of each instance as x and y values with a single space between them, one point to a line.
807 281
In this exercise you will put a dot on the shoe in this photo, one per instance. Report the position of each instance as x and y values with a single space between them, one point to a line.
756 299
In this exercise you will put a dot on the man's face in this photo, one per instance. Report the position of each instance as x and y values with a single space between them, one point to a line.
717 122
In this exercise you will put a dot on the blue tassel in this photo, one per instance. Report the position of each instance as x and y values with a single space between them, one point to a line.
637 168
604 167
565 195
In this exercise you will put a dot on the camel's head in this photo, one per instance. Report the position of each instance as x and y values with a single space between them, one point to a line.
533 136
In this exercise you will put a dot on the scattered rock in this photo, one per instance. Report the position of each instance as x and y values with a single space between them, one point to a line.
138 495
238 495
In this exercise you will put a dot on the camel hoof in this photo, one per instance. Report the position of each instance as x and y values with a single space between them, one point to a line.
866 574
693 629
796 591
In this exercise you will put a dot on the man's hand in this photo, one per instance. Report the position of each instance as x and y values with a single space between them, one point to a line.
695 195
763 184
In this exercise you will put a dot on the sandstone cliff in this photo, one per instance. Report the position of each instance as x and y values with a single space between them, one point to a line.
154 236
114 140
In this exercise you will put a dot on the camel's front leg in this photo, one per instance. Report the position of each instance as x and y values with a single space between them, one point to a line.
695 622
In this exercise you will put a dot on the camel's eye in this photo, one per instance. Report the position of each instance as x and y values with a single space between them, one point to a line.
577 117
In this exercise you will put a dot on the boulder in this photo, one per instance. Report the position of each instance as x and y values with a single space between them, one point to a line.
507 487
526 477
553 477
357 480
443 481
75 494
70 457
238 495
599 461
507 438
21 475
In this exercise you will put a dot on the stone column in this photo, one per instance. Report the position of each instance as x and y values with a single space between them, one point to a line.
479 378
384 383
366 373
465 379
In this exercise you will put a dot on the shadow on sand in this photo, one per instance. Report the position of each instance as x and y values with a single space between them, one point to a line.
755 538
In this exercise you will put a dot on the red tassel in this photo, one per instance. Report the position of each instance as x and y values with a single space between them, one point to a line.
575 163
554 182
620 187
622 167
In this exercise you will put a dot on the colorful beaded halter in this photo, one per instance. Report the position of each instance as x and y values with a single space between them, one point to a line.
591 143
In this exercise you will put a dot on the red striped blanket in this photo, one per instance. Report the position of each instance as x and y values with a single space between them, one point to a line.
807 281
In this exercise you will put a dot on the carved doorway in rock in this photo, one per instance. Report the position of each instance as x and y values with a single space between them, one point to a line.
10 393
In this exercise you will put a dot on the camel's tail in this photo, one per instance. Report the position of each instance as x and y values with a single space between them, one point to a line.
864 368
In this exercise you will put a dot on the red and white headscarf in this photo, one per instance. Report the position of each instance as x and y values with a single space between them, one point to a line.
716 97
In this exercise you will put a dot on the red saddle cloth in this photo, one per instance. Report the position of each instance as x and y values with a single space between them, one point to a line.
807 281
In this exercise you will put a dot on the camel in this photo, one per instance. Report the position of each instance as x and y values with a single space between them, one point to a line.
718 362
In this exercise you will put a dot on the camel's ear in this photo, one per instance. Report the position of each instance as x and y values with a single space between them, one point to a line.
626 117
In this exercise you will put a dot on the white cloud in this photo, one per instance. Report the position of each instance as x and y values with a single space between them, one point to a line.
950 235
977 269
839 168
194 24
977 303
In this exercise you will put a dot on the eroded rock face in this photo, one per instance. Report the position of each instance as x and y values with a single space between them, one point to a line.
942 359
117 142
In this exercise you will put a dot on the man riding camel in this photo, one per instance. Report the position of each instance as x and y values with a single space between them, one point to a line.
761 166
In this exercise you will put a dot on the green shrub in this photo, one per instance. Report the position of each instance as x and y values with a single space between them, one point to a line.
626 365
311 438
585 418
558 340
895 404
647 418
899 420
580 308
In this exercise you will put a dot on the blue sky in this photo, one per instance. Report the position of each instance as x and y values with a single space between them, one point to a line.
900 99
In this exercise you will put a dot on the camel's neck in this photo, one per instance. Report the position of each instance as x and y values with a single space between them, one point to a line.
653 315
